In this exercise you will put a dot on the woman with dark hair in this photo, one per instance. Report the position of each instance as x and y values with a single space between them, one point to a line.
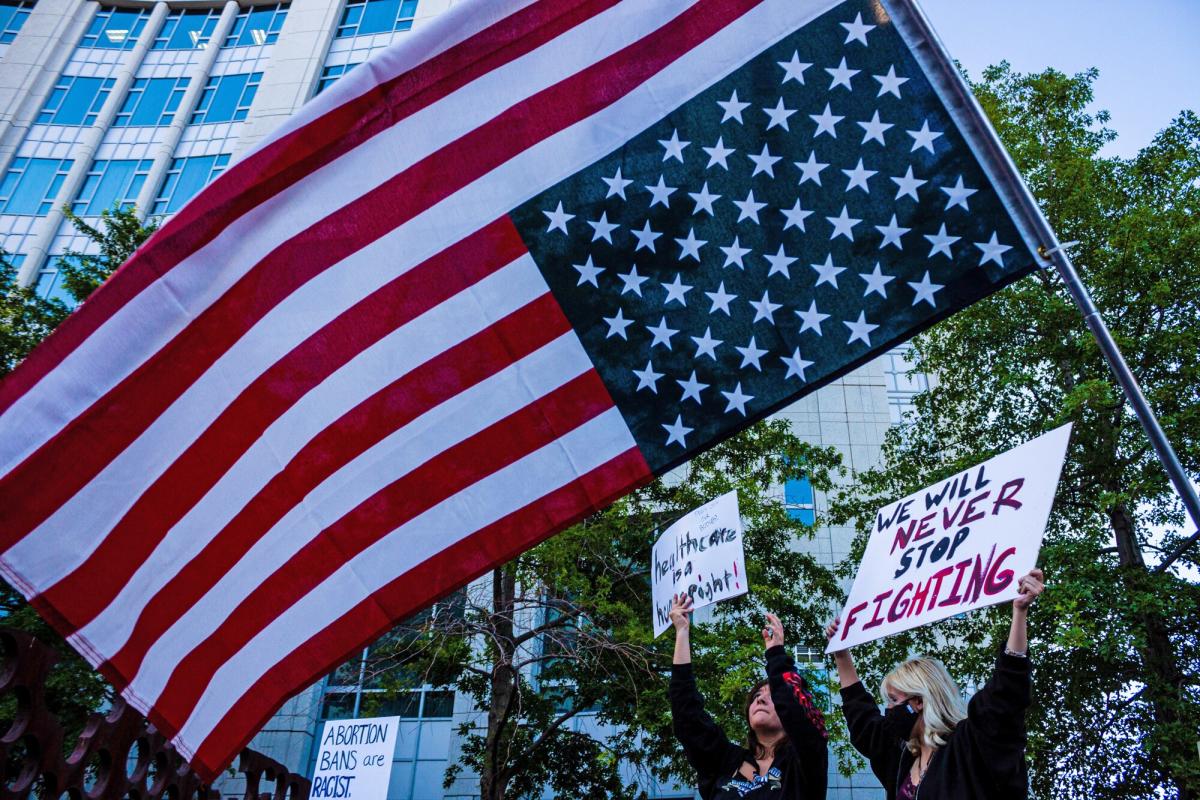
785 754
930 743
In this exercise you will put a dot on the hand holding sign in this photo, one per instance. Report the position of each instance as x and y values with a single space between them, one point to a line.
773 633
1029 588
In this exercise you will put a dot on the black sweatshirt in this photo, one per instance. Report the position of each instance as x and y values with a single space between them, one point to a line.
985 755
802 765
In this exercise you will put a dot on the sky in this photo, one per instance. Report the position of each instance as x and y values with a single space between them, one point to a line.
1147 51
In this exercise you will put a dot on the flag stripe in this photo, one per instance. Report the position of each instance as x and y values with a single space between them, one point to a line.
436 431
279 164
122 344
455 370
294 653
120 415
274 391
498 446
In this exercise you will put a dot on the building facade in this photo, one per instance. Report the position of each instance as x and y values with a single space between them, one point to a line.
141 103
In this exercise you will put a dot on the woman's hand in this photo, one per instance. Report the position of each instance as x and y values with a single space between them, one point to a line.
830 631
773 633
1030 587
681 606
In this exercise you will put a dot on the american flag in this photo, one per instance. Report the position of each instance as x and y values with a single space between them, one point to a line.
499 276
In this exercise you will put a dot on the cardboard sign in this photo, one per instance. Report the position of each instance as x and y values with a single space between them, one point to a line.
355 759
961 544
700 555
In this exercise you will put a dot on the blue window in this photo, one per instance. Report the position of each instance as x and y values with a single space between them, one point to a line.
185 178
362 17
151 101
258 26
111 183
186 30
226 98
50 285
75 100
798 499
31 184
12 17
115 28
329 76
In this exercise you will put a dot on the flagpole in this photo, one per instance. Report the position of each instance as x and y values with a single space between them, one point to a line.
977 128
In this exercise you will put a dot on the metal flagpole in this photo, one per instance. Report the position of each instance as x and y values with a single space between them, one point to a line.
915 27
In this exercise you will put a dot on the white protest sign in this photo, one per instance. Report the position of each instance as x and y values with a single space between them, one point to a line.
955 546
701 555
355 759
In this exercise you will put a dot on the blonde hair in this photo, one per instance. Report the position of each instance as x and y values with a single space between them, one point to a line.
944 706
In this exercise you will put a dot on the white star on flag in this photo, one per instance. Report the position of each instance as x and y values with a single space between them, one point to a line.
763 162
719 154
796 365
733 108
751 354
677 432
876 281
857 30
890 83
662 334
588 272
795 216
957 195
794 70
859 177
841 75
908 185
780 263
749 208
690 247
676 291
602 228
660 193
735 253
692 388
706 345
827 272
645 238
843 225
924 137
704 200
617 325
558 219
779 116
647 378
812 318
891 234
992 251
632 280
874 128
616 185
737 400
674 147
860 329
721 300
826 122
925 290
811 169
941 242
765 309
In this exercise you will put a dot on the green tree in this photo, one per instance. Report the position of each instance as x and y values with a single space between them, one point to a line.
75 689
1117 697
566 628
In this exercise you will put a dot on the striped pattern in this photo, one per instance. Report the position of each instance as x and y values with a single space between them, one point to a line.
336 386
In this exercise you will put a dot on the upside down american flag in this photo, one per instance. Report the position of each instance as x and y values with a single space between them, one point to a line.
496 277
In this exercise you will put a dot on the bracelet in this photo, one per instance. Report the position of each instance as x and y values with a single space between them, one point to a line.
1008 652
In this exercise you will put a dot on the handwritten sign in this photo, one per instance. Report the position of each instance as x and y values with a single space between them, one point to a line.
355 759
959 545
700 555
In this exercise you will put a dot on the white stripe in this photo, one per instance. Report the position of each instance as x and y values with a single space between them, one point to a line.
450 28
373 369
405 450
162 310
555 465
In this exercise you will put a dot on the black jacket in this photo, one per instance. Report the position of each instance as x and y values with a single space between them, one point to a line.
803 763
985 755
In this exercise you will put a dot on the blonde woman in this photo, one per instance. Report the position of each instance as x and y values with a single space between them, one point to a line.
932 745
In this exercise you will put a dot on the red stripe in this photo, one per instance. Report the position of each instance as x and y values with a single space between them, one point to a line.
280 164
465 365
410 592
498 446
81 450
276 390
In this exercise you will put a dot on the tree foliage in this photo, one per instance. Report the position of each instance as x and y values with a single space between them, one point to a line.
566 628
1117 697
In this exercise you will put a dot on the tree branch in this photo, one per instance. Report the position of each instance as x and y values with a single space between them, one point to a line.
1174 555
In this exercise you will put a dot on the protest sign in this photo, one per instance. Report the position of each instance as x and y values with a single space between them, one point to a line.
355 759
955 546
700 555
